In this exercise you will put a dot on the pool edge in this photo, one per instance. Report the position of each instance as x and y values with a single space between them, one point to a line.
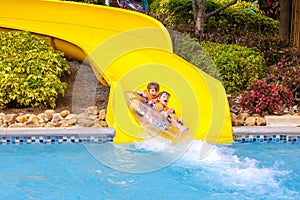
266 130
96 135
56 135
277 134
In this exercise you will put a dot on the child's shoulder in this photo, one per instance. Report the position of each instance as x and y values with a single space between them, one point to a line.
159 106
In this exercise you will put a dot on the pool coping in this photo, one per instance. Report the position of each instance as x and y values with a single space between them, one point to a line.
265 130
57 131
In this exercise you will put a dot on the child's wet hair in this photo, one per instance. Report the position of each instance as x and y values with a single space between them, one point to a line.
153 85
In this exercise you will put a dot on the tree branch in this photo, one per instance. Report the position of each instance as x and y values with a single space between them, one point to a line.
220 9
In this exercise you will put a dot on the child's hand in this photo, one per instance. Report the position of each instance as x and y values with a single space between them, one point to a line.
180 121
171 111
154 100
142 94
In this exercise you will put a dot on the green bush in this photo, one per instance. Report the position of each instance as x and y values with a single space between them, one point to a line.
238 66
29 71
156 5
242 16
159 8
274 48
190 49
180 12
241 4
278 50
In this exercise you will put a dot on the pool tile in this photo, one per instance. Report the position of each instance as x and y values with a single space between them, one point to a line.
276 138
54 139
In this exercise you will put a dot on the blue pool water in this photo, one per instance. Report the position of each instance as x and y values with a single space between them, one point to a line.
71 171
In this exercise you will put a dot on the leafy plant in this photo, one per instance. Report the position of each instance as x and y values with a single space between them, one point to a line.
190 49
266 98
238 66
283 52
275 49
226 26
180 12
285 74
271 8
30 71
243 16
241 4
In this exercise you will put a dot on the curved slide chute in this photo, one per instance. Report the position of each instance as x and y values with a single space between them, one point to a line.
128 50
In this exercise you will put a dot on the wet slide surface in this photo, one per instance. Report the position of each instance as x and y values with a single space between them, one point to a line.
129 50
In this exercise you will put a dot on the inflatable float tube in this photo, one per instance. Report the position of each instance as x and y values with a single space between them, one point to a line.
153 122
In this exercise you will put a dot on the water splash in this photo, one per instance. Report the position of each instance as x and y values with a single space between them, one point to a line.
223 170
214 171
154 144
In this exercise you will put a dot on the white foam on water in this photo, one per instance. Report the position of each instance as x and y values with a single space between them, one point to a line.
201 165
153 144
232 172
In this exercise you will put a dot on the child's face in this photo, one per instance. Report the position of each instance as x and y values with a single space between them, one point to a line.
153 92
164 99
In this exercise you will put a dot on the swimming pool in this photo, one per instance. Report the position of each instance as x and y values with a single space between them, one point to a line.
70 171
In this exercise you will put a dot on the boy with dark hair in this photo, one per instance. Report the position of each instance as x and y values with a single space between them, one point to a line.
150 95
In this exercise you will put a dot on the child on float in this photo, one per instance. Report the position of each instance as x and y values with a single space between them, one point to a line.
161 106
150 95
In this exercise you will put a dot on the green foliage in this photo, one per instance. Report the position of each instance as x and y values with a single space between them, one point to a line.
190 49
177 14
180 12
156 6
238 66
242 16
266 98
211 6
241 5
279 50
274 49
29 71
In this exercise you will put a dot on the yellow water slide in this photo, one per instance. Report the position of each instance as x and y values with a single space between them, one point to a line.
126 50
